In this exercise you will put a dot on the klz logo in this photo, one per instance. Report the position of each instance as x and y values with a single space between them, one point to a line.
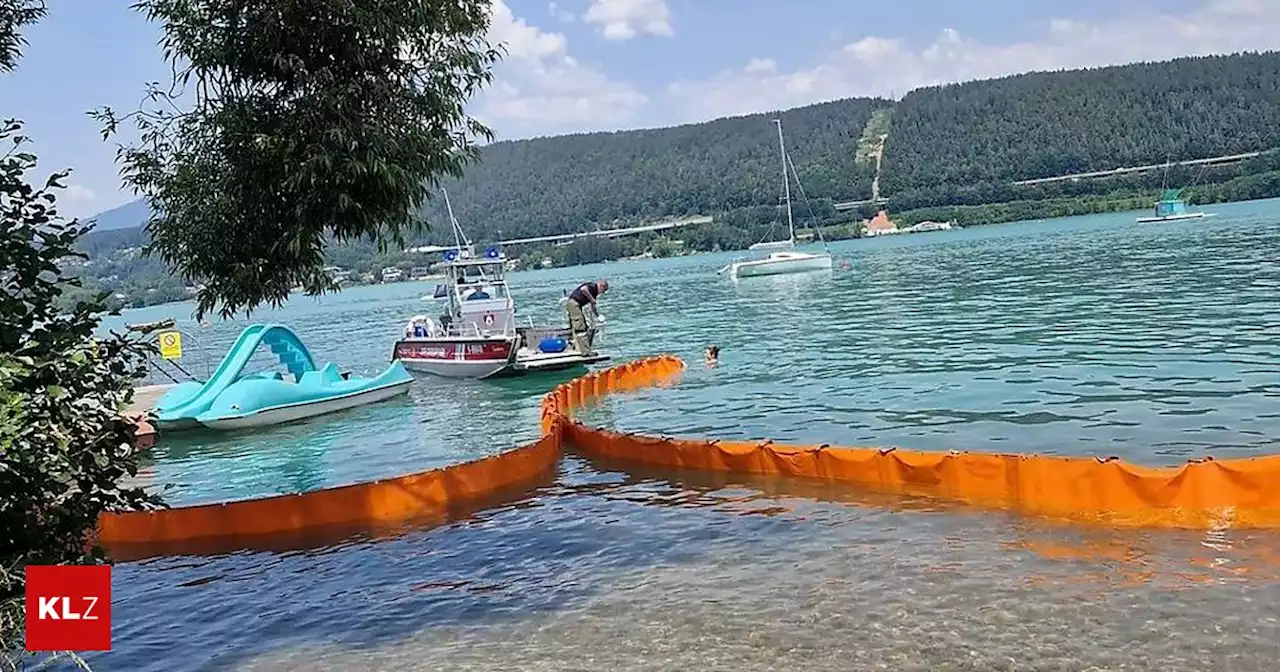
68 608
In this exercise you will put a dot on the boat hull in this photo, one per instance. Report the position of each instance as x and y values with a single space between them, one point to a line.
175 425
456 358
293 412
234 398
533 361
1172 218
752 269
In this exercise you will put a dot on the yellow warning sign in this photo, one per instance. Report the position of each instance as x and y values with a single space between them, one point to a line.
171 345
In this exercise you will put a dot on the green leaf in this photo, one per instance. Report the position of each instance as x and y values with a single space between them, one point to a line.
59 433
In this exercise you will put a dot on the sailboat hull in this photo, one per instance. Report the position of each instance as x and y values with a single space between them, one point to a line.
1173 218
788 261
773 245
778 265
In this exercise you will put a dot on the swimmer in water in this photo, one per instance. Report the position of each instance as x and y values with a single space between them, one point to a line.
712 355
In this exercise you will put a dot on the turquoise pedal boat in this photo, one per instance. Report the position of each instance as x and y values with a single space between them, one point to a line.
233 399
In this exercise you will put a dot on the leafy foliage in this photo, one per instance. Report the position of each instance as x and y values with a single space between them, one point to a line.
309 118
64 447
14 15
1048 124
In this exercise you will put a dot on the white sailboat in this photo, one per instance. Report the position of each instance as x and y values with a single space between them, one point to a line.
1172 207
787 260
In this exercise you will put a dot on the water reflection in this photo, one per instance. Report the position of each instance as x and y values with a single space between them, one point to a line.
633 570
1068 337
534 385
1075 337
1117 558
204 466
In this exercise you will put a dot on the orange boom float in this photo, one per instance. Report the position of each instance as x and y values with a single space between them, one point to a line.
1202 494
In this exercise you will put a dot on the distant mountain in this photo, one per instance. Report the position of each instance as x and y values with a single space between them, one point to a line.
126 216
571 183
547 186
1047 124
959 144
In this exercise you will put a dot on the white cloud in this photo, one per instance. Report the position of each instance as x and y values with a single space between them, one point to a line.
884 66
522 41
560 14
761 65
78 195
873 50
539 88
622 20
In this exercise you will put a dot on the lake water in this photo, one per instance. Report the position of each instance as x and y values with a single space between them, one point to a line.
1090 335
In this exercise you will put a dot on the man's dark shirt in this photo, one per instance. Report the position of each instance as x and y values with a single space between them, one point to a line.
584 293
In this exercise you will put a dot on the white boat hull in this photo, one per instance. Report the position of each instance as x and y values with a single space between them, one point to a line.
282 414
1172 218
776 266
529 360
478 338
773 245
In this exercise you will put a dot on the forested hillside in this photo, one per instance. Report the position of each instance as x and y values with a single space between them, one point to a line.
947 145
575 182
1047 124
572 183
951 152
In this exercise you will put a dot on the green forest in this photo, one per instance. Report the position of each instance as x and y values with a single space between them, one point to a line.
1048 124
571 183
951 152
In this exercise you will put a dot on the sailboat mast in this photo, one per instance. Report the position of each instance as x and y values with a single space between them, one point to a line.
786 183
458 235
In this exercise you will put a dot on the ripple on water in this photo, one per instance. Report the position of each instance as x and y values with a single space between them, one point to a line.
1073 337
606 570
1070 337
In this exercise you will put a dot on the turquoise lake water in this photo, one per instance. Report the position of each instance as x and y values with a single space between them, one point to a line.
1091 335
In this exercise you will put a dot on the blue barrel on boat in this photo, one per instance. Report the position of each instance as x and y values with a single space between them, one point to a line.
553 344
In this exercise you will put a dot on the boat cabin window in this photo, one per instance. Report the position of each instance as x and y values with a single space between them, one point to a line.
484 290
472 271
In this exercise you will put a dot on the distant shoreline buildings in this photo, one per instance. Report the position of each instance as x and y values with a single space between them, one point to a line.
881 225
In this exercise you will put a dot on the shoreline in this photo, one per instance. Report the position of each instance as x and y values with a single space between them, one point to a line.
904 219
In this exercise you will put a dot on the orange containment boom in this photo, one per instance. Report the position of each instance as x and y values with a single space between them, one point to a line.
326 516
1202 494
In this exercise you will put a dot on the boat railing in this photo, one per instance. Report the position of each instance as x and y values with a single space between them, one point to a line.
534 332
473 330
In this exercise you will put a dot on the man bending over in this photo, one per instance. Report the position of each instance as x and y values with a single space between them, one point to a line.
585 295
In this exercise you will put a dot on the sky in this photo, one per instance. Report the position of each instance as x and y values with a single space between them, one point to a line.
589 65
